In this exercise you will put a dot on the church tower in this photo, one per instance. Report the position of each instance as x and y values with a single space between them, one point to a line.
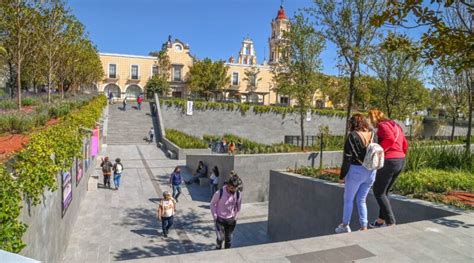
279 25
247 53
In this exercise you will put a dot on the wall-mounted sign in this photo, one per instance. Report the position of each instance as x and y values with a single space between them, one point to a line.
66 190
189 108
308 115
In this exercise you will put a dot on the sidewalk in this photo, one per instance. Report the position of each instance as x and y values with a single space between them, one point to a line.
122 225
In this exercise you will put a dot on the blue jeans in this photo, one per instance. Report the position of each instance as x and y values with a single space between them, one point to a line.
117 179
176 191
213 189
139 106
357 184
166 223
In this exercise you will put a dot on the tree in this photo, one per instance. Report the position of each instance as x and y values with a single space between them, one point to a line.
297 74
156 84
52 32
160 82
207 77
20 20
449 36
453 91
394 68
346 24
252 79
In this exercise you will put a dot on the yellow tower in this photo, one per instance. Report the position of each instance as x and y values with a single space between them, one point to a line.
247 53
279 25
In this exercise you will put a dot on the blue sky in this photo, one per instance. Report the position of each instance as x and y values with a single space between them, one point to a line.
212 28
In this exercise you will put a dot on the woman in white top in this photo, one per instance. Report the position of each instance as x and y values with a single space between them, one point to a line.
214 180
166 212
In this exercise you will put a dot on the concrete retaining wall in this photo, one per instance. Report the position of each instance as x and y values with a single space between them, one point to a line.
180 153
301 207
254 169
48 231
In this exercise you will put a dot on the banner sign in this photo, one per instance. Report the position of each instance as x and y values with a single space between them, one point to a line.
189 108
79 169
66 190
308 115
95 143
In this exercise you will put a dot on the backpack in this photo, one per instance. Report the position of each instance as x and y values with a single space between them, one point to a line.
118 168
107 167
221 191
374 157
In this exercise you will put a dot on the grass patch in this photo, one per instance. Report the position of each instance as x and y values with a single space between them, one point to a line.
185 141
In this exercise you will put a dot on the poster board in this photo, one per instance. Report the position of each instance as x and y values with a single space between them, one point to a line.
66 190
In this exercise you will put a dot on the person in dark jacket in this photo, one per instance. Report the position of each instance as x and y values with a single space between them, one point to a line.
106 170
357 178
392 139
175 182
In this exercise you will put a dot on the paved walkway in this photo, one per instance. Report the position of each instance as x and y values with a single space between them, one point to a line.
122 225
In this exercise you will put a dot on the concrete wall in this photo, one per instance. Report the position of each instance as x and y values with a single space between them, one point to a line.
443 128
265 128
48 231
301 207
254 169
180 153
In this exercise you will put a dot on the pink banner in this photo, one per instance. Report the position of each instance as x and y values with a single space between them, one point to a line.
95 143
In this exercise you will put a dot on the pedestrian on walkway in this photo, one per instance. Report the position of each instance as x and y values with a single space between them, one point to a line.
175 182
118 169
392 139
151 134
111 97
214 179
139 102
358 179
125 103
106 170
166 211
225 206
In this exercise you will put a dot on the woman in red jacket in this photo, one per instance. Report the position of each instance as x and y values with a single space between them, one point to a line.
392 139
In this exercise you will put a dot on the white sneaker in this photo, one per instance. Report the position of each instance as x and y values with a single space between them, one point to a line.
343 229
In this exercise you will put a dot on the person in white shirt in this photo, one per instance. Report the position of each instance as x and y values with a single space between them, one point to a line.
166 211
214 180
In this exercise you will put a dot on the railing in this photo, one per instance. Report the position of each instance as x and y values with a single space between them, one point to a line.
296 140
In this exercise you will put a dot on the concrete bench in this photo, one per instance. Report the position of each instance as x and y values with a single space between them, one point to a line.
171 154
204 181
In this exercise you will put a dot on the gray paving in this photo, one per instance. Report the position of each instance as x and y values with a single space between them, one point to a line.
122 225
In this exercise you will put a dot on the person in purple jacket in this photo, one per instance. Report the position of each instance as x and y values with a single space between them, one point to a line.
225 206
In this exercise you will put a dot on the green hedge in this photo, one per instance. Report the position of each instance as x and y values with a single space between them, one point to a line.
244 108
185 141
427 184
34 169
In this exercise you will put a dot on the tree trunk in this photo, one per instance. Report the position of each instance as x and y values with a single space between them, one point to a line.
469 101
350 99
453 128
302 128
18 81
49 85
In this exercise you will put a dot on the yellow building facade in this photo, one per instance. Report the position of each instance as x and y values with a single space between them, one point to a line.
127 75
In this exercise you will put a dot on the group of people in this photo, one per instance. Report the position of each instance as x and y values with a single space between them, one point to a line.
125 101
225 203
222 146
108 168
358 176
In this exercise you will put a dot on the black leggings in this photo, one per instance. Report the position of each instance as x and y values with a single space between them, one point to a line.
383 184
224 229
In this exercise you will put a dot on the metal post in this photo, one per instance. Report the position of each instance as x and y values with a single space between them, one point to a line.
321 146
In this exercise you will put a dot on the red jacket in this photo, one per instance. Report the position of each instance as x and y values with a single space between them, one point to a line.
140 100
387 133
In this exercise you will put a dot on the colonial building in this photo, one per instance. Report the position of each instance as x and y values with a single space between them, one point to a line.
127 75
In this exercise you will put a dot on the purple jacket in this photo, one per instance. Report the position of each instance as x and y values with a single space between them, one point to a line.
227 206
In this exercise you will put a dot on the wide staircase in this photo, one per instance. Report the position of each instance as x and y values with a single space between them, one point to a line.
137 124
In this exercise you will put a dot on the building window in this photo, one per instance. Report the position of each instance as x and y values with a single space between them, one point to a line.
112 71
134 71
177 73
253 80
178 47
154 70
247 50
235 78
284 100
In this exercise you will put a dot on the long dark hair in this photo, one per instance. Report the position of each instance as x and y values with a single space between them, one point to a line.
216 171
176 169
